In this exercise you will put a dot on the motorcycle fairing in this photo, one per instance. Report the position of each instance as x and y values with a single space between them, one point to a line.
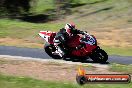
84 51
75 41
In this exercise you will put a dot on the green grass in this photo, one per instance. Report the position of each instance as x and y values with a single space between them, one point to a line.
121 68
42 6
118 51
97 15
20 29
25 31
24 82
90 1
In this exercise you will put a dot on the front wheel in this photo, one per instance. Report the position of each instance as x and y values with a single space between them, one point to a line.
49 49
99 56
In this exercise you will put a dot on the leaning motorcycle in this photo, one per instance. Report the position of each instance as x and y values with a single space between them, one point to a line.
89 49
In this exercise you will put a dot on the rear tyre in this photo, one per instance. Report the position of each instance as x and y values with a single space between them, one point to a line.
49 49
99 56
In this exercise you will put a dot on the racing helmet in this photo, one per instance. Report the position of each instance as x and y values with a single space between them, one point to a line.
69 27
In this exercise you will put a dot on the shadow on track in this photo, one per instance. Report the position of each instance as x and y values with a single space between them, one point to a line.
85 61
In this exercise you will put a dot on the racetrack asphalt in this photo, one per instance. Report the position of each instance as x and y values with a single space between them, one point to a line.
40 53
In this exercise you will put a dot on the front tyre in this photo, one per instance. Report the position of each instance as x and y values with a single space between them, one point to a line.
99 56
49 49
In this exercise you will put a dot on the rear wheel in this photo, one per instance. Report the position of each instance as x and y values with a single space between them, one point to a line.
99 56
49 49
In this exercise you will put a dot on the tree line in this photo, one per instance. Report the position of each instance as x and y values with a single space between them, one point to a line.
14 7
20 7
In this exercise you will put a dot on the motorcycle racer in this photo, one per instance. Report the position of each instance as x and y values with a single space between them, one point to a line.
64 34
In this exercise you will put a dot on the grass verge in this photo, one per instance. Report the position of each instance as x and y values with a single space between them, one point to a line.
24 82
121 68
18 29
118 51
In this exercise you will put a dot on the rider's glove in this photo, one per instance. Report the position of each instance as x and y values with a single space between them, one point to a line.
85 32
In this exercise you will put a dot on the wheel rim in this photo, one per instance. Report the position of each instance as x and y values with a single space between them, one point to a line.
101 57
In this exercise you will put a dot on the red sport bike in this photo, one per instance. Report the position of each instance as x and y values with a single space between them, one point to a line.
89 49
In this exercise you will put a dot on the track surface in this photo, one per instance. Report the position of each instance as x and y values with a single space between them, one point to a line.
39 53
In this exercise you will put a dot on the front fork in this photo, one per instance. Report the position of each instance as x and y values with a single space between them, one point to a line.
58 51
